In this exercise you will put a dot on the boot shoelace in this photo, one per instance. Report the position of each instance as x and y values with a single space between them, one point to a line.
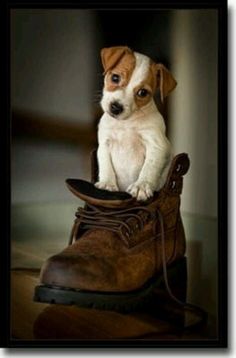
124 222
118 222
185 305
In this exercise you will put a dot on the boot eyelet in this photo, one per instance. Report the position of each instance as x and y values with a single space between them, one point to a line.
178 168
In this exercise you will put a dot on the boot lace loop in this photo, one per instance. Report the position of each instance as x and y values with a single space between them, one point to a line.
124 222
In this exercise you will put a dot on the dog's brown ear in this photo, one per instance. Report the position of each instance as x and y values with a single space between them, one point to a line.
112 55
165 80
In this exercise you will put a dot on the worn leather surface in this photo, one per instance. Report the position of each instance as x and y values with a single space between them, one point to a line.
101 260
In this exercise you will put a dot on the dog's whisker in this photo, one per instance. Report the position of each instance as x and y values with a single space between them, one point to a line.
97 94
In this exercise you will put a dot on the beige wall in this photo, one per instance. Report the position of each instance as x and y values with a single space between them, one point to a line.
193 129
193 105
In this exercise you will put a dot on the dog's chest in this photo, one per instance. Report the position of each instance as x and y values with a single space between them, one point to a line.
127 155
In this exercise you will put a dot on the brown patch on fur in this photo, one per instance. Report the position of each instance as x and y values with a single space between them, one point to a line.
120 61
111 56
158 77
150 84
165 80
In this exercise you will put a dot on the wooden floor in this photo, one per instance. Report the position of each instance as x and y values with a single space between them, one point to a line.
32 320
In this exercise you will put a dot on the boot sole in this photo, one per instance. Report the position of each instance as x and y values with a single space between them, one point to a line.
119 301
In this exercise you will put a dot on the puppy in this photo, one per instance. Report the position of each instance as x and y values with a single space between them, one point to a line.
134 153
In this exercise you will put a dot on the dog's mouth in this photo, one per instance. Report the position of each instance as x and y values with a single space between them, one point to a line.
116 116
112 114
119 117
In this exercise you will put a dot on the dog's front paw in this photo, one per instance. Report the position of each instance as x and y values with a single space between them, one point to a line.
106 186
140 190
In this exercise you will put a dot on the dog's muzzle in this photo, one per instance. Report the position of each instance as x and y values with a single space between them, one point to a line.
116 108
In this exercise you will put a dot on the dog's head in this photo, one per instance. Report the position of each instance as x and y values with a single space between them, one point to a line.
131 79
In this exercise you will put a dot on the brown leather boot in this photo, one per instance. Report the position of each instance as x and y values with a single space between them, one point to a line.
120 249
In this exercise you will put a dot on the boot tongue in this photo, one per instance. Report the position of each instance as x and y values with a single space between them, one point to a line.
92 195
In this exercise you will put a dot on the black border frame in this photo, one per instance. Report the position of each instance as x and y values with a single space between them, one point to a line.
222 341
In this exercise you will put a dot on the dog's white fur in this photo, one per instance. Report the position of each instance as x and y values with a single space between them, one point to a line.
133 153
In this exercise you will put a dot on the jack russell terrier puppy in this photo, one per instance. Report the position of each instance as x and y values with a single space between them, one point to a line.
134 153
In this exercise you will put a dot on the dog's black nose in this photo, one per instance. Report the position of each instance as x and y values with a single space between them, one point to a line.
116 108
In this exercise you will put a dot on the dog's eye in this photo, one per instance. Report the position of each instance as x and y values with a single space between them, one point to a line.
142 92
115 78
